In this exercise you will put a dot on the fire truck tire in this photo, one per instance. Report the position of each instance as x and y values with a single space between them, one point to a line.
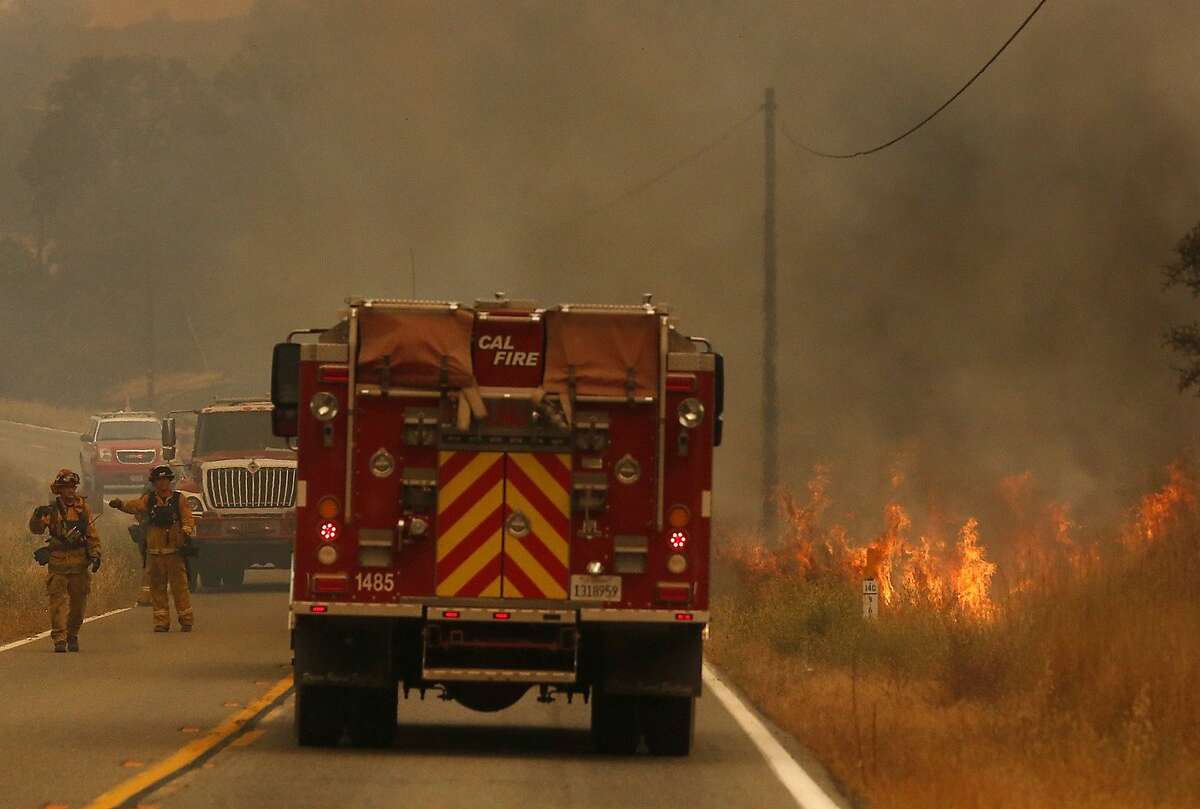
233 576
615 729
318 715
669 724
210 577
373 716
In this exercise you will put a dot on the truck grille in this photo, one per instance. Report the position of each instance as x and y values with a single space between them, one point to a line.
235 487
135 455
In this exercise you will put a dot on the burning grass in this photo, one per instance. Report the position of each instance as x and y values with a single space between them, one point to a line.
22 581
1065 675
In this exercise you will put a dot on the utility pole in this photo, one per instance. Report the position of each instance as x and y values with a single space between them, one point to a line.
770 393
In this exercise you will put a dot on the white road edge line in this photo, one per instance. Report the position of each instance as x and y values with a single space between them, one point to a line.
46 634
37 427
806 792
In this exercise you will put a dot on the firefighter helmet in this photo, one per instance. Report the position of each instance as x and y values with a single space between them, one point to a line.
160 472
64 478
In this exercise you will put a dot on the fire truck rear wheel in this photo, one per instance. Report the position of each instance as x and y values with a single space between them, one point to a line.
210 577
615 729
233 575
669 724
373 716
319 715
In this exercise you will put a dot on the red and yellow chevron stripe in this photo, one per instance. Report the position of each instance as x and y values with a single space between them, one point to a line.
470 523
536 564
478 492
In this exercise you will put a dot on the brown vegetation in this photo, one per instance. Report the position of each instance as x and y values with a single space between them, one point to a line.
42 414
22 581
1076 687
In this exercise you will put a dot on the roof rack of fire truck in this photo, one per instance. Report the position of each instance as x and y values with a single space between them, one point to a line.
403 303
240 400
108 414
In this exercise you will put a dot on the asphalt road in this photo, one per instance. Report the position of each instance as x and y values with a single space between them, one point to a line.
75 726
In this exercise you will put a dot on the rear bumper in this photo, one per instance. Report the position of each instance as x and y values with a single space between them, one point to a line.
121 480
374 645
417 609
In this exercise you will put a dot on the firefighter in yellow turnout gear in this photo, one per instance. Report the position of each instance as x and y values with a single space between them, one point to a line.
169 527
72 548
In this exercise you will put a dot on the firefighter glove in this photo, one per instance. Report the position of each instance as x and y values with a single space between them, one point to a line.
41 555
116 503
41 512
96 564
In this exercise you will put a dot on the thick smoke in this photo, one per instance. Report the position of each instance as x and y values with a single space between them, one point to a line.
978 301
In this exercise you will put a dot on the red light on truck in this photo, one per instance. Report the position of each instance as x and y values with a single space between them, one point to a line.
318 608
333 373
678 540
684 616
681 383
328 531
450 613
501 616
331 583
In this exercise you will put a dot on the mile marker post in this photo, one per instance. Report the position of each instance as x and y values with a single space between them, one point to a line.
870 598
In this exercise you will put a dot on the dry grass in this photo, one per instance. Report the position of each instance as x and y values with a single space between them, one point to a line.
59 417
22 581
1085 694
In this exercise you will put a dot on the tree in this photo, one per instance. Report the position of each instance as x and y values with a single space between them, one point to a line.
1185 339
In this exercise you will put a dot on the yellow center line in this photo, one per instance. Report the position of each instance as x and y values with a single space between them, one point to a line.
188 754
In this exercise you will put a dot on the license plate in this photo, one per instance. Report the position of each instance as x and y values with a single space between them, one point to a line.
595 588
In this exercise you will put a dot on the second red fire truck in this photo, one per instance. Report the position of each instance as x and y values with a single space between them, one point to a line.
500 497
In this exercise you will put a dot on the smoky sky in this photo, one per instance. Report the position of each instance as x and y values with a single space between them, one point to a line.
980 300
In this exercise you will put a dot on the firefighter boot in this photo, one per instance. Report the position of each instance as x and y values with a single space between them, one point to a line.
72 643
60 646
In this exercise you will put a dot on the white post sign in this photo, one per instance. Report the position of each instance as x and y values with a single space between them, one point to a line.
870 598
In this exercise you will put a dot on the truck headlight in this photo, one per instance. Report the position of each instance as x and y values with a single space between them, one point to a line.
323 406
195 505
691 412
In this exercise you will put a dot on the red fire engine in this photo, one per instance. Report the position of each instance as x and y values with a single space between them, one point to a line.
498 497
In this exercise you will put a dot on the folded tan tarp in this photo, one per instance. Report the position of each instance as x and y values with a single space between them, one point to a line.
602 353
422 348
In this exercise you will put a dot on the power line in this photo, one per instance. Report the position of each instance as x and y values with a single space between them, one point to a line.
649 182
864 152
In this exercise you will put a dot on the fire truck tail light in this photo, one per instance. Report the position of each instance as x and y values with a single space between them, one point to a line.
318 608
327 555
501 616
328 507
679 516
334 373
677 540
681 383
450 613
674 592
677 563
684 616
331 583
328 531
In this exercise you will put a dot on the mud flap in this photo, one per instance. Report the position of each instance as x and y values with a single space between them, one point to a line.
645 660
343 652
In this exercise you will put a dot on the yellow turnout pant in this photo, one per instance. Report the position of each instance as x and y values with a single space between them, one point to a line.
68 599
167 569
